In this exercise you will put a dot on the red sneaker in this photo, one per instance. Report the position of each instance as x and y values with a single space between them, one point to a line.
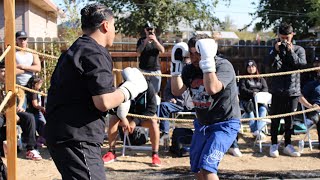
109 158
156 160
33 155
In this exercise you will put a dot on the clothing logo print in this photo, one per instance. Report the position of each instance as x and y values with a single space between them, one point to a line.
214 157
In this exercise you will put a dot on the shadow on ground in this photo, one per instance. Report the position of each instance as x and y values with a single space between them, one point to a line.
185 174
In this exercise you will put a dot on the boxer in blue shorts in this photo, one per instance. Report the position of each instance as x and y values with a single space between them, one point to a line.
211 81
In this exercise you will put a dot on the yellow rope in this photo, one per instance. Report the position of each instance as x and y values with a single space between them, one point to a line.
168 75
31 90
5 53
159 118
242 120
279 74
5 100
245 76
147 74
39 54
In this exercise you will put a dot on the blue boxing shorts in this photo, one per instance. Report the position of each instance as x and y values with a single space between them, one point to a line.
210 143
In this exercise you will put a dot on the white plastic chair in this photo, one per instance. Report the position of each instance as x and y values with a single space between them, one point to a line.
262 98
310 141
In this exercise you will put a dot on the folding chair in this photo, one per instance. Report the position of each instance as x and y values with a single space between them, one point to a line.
309 127
262 98
126 135
131 147
179 114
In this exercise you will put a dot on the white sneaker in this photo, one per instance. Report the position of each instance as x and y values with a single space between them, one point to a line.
289 150
235 152
274 150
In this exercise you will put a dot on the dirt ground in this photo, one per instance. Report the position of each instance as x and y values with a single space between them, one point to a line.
137 164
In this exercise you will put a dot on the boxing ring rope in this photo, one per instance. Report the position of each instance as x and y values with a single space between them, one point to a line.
191 120
5 53
5 100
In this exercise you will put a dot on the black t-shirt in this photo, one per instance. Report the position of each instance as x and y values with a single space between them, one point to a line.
30 98
145 103
218 107
149 57
83 71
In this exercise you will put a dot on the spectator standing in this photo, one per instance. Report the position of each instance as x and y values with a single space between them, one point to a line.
285 90
148 49
27 63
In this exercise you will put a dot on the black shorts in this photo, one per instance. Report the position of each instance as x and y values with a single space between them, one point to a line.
78 160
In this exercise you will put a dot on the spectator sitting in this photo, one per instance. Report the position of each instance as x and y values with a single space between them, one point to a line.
144 104
310 98
172 104
248 89
35 107
24 119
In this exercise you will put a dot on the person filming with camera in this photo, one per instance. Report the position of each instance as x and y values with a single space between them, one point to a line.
285 90
148 49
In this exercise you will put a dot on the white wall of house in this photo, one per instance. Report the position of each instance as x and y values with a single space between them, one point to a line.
32 19
43 24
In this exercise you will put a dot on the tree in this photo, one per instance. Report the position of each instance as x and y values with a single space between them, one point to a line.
273 12
131 15
315 13
69 29
228 24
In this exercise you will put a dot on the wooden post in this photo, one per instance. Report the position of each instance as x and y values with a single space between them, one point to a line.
9 31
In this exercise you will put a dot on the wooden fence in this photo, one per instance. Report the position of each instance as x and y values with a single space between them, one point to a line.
236 51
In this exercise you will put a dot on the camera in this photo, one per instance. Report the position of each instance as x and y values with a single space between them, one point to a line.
283 48
149 28
150 31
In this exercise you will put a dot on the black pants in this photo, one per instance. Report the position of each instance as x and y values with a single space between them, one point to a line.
78 160
28 126
281 105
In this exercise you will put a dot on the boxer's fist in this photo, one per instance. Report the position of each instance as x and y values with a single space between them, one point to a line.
208 50
134 84
179 51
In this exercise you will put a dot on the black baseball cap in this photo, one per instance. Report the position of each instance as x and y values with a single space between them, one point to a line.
251 63
21 34
149 25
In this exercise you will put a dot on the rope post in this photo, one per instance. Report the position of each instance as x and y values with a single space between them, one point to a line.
9 31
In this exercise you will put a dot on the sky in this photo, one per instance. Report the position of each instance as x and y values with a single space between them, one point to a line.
238 11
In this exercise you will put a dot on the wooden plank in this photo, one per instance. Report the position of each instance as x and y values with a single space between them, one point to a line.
9 31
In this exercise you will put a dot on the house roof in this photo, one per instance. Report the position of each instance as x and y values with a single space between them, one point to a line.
222 34
314 29
47 5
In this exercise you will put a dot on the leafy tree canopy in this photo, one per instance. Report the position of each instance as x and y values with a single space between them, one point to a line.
273 12
314 14
131 15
